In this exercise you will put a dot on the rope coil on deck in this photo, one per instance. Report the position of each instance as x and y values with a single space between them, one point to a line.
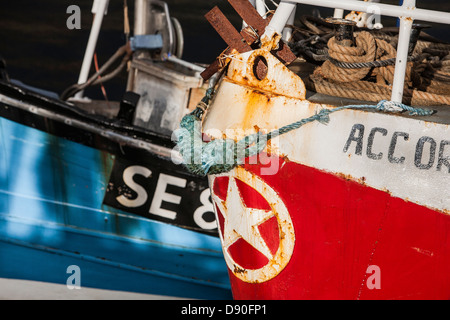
367 70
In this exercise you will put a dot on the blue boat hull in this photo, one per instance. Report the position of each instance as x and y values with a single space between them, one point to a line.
52 216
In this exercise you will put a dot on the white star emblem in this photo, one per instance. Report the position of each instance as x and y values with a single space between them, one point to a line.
245 224
242 222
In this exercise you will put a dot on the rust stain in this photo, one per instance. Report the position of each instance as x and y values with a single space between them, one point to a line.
239 270
249 14
264 72
444 211
346 177
387 191
362 180
256 102
285 158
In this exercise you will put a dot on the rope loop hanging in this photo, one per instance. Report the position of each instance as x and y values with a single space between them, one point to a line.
222 155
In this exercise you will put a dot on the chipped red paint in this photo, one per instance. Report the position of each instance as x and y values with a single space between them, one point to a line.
343 231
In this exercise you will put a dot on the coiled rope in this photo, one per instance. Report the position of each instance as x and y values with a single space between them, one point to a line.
367 70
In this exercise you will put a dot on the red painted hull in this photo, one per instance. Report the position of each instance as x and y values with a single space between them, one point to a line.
342 230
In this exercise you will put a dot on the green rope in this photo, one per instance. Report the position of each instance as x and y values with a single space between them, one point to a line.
222 155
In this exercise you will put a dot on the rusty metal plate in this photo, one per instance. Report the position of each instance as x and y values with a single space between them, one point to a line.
249 14
242 41
226 30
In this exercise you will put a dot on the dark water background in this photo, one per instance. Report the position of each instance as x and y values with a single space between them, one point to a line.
41 51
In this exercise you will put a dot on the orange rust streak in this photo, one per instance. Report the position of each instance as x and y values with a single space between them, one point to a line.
256 102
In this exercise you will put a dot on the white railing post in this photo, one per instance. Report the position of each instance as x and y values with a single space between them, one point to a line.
99 9
402 53
260 6
287 31
338 13
278 22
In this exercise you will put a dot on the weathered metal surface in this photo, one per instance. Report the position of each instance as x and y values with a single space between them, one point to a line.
235 40
284 53
338 227
368 189
213 68
249 35
243 40
249 14
278 79
278 100
226 30
165 94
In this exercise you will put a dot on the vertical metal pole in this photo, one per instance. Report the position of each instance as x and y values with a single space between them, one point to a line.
140 15
287 31
400 3
338 13
278 21
402 54
99 9
260 6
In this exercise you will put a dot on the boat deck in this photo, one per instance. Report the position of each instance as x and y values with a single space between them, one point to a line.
304 69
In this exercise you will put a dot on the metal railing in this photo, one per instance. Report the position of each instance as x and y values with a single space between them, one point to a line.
407 13
99 9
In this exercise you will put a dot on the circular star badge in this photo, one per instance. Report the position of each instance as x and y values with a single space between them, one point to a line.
254 225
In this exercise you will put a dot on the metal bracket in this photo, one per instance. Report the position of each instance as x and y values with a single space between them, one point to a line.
146 42
242 41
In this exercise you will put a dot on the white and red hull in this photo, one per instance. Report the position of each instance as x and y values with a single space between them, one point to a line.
356 209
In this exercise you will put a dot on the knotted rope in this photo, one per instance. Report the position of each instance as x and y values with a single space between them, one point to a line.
222 155
364 51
